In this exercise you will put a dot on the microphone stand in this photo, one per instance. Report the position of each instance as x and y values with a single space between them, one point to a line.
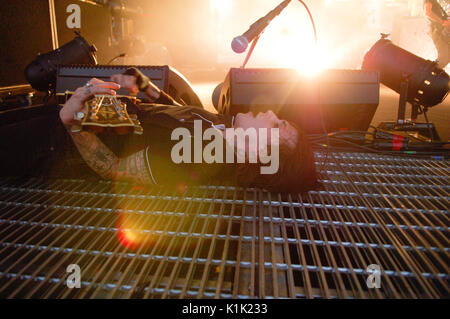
250 51
270 16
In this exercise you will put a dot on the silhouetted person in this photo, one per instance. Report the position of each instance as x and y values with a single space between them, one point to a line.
439 29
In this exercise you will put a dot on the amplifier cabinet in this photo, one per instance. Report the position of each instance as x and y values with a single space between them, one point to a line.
347 99
164 77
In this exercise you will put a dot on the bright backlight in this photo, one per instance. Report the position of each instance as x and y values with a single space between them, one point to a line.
293 50
289 43
220 7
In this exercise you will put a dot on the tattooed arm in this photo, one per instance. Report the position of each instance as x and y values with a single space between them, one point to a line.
106 164
101 159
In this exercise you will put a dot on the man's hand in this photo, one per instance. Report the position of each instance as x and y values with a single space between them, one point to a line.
133 80
76 102
127 82
99 158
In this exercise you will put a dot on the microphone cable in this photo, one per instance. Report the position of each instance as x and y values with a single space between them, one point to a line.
122 55
247 58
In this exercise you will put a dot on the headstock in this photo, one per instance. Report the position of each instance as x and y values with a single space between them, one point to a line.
107 112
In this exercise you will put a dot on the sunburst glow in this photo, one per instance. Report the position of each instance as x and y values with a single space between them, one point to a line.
290 43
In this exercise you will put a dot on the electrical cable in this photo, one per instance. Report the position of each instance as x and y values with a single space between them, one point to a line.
424 111
341 132
407 134
332 134
250 52
424 145
256 40
312 20
122 55
373 150
325 163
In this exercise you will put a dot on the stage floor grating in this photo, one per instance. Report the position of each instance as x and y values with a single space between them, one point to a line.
228 242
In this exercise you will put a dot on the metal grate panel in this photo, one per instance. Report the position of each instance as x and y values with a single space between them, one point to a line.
228 242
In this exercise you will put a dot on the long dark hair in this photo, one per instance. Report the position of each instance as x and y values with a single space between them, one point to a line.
296 174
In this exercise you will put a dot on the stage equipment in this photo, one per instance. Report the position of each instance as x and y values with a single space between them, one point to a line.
165 77
420 82
106 23
15 96
30 27
41 73
240 43
347 99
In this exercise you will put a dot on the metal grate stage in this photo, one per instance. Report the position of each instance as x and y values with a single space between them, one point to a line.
228 242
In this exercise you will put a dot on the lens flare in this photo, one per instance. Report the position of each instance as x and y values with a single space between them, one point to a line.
290 43
131 224
312 61
306 57
128 238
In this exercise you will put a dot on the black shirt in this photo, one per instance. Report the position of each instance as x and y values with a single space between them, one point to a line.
158 122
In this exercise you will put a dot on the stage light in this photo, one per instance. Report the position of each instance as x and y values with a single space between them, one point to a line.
421 81
418 81
41 73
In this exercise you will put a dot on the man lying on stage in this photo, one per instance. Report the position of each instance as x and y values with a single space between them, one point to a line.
148 159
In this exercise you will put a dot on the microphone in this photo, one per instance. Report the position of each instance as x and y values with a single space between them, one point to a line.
240 43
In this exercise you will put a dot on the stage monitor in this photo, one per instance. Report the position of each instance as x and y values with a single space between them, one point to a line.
165 77
348 99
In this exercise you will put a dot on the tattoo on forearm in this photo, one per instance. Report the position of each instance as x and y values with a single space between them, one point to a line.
133 168
106 164
102 160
